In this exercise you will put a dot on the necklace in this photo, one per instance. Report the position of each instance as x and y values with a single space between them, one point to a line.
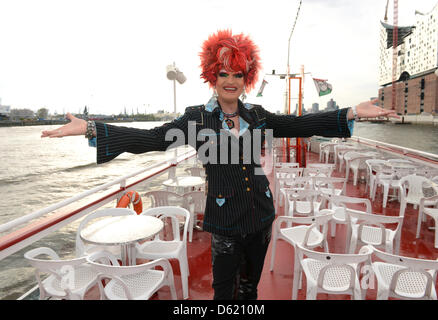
230 115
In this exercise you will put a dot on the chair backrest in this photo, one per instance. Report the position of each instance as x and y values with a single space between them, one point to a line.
413 268
195 171
175 215
161 198
374 164
359 160
195 200
108 268
282 173
295 183
54 266
108 212
306 195
346 202
342 149
414 185
284 165
336 264
312 171
329 183
364 220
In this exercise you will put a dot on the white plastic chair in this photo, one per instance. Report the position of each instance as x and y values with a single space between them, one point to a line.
357 163
307 234
330 185
176 248
318 170
339 151
371 229
372 166
68 278
404 277
326 151
338 204
301 202
163 198
281 176
333 273
194 202
82 248
411 191
389 179
137 282
432 212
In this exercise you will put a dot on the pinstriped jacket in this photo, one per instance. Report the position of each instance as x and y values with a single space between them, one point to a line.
239 200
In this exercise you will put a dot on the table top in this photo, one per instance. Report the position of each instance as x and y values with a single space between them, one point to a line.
355 154
401 165
184 181
121 230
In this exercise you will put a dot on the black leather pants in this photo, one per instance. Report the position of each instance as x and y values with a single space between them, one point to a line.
238 263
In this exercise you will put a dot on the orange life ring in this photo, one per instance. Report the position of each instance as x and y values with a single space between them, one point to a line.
131 197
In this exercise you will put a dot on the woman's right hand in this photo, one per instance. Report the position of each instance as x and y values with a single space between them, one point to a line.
75 127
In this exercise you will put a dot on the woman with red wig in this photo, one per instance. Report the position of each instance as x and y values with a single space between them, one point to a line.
239 207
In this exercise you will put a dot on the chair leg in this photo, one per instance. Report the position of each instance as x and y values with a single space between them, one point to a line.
419 221
332 228
436 232
402 209
355 174
274 245
296 276
191 225
184 276
385 195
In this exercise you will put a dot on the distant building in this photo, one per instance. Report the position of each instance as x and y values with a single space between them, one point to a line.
315 107
5 112
18 114
417 60
331 105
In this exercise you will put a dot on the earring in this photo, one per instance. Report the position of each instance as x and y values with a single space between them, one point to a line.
214 93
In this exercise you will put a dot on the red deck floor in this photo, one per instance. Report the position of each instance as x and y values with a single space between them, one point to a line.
277 285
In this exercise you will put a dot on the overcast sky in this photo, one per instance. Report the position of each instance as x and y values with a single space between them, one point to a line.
111 54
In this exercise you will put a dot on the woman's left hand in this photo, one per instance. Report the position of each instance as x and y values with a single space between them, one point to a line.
367 109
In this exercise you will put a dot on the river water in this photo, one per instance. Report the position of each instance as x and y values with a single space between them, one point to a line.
35 173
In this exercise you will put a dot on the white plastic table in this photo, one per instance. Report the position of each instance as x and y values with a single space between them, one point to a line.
124 231
184 183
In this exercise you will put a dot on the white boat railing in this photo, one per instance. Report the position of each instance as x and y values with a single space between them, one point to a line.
430 158
18 239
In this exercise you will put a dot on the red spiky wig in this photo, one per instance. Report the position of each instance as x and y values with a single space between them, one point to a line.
234 53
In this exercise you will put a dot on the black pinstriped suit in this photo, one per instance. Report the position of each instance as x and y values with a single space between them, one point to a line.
239 201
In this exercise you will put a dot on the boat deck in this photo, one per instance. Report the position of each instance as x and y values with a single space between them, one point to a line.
277 285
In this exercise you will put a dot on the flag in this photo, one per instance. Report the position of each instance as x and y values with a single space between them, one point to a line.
322 86
262 87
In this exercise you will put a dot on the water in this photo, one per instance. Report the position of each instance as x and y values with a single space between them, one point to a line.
419 137
35 173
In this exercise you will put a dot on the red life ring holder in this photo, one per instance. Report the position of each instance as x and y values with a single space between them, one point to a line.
131 197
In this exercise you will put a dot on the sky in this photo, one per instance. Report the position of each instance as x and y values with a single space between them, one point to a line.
111 55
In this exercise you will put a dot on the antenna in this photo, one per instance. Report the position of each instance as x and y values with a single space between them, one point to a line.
386 11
